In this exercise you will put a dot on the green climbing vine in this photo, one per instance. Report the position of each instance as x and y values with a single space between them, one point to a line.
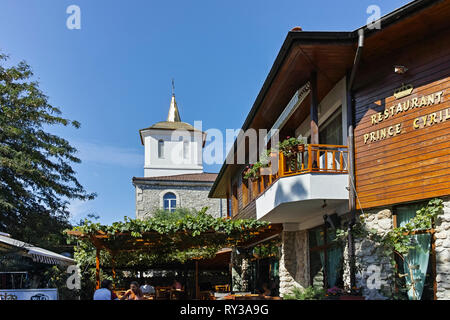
201 234
189 222
397 242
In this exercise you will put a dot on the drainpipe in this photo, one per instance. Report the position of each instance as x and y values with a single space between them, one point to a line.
351 153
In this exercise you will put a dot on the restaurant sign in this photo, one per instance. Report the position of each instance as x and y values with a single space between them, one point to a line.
403 107
29 294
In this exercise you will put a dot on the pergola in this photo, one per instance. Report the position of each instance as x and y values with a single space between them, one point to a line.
150 242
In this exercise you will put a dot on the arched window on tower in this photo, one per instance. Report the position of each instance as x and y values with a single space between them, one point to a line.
161 149
170 201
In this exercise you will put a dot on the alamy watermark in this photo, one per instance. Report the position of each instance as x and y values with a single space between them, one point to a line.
234 146
74 280
73 22
373 21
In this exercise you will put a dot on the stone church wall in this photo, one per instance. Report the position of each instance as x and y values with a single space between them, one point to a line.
149 198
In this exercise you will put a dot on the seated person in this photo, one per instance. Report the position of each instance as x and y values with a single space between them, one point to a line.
177 285
134 293
147 288
105 292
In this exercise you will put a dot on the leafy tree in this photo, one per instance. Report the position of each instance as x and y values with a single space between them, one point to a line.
37 180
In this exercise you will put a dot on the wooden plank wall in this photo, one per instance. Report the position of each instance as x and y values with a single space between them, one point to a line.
244 209
414 164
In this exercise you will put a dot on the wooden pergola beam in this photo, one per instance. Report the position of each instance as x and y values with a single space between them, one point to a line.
99 240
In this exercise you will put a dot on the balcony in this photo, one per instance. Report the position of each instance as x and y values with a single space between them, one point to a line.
294 189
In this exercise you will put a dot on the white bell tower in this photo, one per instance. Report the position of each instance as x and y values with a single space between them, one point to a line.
172 147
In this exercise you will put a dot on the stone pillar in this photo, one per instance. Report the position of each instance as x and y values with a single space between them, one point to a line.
374 272
442 248
239 271
294 261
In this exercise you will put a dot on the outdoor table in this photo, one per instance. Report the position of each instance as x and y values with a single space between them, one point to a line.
221 295
222 288
233 296
248 297
163 293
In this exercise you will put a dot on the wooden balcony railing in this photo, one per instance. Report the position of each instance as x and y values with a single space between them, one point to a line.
315 158
312 158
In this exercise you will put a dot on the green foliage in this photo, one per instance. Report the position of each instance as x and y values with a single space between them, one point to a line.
309 293
267 249
37 179
397 241
289 146
57 278
252 171
190 223
200 234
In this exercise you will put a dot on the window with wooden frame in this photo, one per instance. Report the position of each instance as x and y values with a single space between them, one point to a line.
326 258
420 263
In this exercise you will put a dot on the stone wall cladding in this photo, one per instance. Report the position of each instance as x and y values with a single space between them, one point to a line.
239 271
148 199
370 256
442 249
294 261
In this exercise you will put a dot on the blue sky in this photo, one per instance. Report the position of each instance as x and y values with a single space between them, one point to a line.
114 75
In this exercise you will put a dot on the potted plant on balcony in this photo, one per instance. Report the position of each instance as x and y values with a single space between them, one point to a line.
252 171
289 147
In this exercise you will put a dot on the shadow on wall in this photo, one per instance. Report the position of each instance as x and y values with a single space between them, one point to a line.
288 193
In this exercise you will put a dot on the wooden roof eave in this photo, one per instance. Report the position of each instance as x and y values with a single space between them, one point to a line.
402 14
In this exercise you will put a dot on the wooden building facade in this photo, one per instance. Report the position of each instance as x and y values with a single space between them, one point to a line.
373 106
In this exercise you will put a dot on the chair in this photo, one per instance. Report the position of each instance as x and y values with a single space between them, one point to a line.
222 288
162 293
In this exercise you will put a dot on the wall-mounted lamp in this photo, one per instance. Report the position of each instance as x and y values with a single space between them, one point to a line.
400 69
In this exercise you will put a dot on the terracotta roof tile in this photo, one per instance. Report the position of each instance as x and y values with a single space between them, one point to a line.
201 177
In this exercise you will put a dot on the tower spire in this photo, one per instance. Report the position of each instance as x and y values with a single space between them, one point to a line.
174 114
